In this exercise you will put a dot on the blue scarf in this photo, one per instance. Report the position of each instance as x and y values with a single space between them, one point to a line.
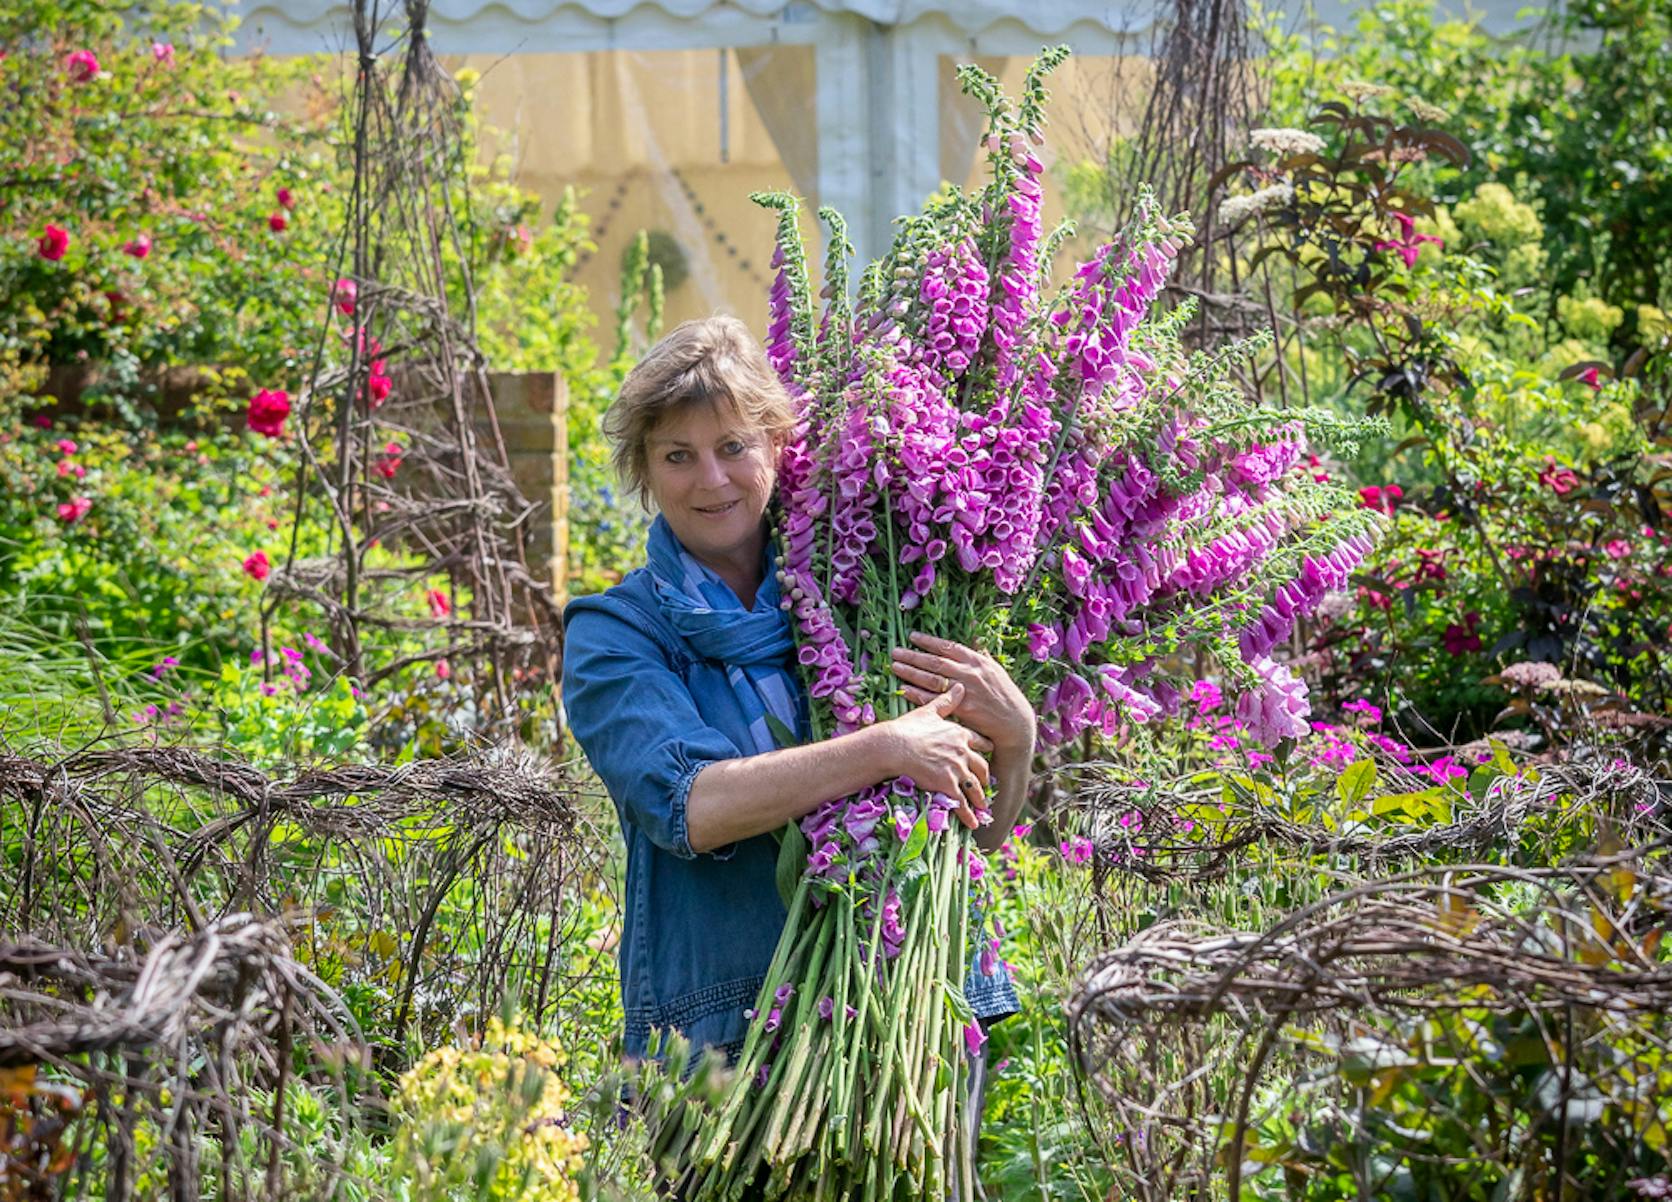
754 644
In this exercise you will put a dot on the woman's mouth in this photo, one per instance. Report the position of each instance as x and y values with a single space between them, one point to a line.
715 511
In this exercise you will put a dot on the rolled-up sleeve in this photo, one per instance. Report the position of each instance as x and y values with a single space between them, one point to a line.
637 723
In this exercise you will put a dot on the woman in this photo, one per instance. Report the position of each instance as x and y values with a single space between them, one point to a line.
673 678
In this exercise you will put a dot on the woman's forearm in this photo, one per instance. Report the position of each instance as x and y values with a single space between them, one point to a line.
1012 769
737 799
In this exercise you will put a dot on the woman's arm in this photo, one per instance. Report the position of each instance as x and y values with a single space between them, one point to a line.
737 798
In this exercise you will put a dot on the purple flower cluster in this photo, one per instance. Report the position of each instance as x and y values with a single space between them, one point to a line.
1320 575
953 295
979 448
1018 271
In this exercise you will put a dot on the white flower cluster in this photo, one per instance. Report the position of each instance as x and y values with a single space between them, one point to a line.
1235 208
1286 141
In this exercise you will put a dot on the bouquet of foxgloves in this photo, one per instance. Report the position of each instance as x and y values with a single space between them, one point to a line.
1040 471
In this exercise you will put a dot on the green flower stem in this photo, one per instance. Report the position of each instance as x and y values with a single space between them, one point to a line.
786 950
841 1095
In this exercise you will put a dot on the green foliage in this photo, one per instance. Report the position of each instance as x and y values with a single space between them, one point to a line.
1578 132
487 1121
179 151
280 724
1525 466
155 560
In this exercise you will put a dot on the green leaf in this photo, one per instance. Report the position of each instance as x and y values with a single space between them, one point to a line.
792 860
959 1005
916 841
1412 805
1355 783
782 735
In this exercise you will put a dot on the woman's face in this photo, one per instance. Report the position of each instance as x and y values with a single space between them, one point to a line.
711 477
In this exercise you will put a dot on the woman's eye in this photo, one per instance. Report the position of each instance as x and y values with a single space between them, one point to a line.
735 448
677 456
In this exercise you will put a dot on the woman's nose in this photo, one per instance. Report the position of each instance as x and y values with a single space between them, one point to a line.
713 471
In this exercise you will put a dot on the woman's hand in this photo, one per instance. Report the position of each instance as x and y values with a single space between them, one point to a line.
991 703
941 756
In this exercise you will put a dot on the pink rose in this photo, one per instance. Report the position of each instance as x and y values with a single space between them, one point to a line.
53 243
439 605
257 566
1559 480
138 247
66 446
82 66
442 670
277 221
1617 548
163 53
1590 376
71 512
267 411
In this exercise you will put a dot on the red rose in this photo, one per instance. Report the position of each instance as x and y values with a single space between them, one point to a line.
256 567
82 66
439 607
138 247
344 294
389 461
53 243
286 198
268 409
1460 639
378 384
276 221
1383 498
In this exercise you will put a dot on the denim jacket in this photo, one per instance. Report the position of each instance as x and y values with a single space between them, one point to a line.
698 930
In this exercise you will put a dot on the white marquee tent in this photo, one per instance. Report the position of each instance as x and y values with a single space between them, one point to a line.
855 96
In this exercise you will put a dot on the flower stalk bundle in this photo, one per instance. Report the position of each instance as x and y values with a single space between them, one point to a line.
1038 470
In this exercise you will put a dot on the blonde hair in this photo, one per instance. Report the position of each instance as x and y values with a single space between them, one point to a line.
713 359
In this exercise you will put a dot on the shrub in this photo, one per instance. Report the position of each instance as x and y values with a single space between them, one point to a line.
487 1120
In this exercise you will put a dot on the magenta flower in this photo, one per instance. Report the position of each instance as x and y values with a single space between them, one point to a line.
82 66
1077 851
267 411
73 510
343 294
1409 244
53 242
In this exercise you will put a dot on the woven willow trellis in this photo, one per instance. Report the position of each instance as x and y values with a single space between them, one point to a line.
410 376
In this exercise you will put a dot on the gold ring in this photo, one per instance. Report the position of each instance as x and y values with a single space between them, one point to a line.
943 684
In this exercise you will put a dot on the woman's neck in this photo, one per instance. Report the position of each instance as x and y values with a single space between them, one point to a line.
741 570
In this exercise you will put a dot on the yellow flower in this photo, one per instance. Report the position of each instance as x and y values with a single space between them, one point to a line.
1494 214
